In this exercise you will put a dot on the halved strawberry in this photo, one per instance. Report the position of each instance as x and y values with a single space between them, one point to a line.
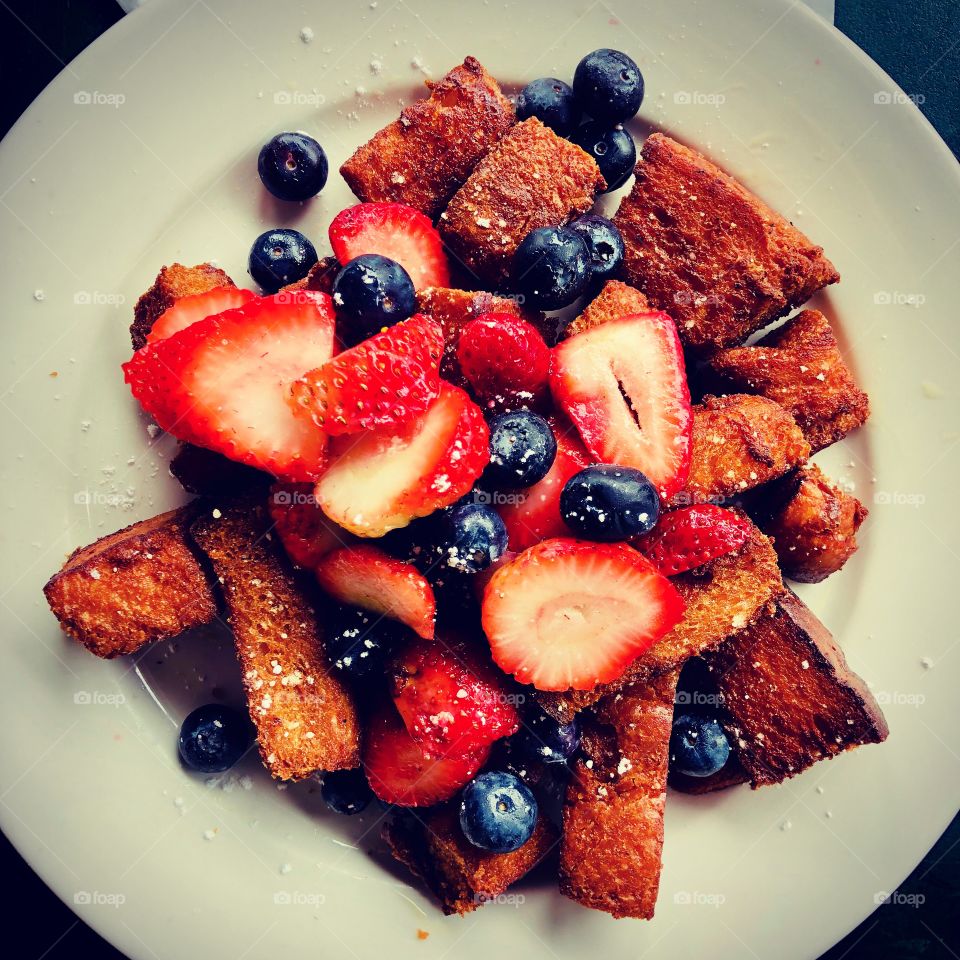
624 386
305 531
383 382
687 538
381 480
224 382
396 231
567 614
533 514
503 355
451 701
196 306
399 773
366 577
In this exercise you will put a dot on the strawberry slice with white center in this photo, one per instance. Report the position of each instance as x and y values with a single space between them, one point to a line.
399 773
396 231
366 577
380 480
306 532
186 311
568 614
624 386
224 382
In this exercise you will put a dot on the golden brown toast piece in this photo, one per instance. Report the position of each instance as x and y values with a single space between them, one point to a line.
790 697
135 586
319 277
800 366
615 300
172 283
613 812
422 158
305 718
815 528
532 178
706 250
461 876
722 597
739 442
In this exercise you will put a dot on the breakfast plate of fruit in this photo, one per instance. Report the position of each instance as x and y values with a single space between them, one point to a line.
492 481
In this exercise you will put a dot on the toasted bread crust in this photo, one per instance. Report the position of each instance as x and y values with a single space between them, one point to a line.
615 300
815 530
705 249
613 811
305 718
461 876
800 366
422 158
138 585
319 277
739 442
789 695
172 282
531 179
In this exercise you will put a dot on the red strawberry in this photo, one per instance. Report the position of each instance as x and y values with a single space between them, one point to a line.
533 514
196 306
384 381
396 231
451 701
304 530
224 382
624 387
398 771
567 614
687 538
369 578
503 355
381 480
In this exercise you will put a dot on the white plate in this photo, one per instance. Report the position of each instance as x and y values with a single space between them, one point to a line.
98 194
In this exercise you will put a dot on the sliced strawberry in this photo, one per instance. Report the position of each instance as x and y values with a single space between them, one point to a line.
197 306
624 386
369 578
567 614
396 231
381 480
305 531
398 771
383 382
224 382
533 514
452 702
503 355
687 538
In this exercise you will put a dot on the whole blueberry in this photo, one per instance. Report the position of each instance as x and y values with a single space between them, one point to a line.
609 503
543 738
477 537
698 745
604 242
372 292
213 738
551 267
357 641
613 149
522 450
497 812
279 257
608 85
552 102
345 791
292 166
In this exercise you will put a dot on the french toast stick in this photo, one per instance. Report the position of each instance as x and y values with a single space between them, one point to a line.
305 718
616 299
138 585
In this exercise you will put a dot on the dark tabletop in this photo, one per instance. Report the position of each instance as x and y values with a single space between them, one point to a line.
918 43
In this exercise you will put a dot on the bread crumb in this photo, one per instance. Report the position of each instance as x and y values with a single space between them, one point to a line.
422 934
